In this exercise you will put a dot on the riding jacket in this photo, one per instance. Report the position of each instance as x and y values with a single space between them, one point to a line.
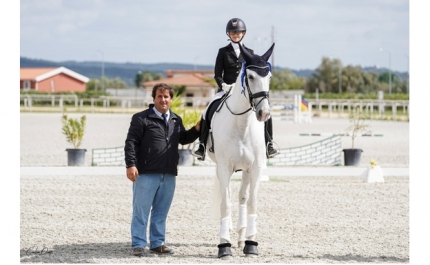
228 65
152 146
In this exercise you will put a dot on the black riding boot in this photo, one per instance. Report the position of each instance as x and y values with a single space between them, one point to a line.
268 136
204 133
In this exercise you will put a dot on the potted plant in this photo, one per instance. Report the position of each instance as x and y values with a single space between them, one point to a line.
74 130
358 123
189 118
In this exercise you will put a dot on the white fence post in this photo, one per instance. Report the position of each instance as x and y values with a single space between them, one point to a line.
60 104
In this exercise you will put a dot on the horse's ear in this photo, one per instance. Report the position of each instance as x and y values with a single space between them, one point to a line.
246 55
266 56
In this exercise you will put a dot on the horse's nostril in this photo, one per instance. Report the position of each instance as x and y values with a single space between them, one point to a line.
260 113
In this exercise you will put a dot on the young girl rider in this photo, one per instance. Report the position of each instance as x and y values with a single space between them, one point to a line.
227 67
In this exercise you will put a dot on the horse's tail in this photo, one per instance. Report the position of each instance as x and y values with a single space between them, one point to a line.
216 200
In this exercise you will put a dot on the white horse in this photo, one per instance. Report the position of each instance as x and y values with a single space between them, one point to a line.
238 142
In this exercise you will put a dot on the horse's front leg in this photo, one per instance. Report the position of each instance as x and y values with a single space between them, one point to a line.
224 248
250 248
243 198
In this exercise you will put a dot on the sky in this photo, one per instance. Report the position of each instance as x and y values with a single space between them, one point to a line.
304 31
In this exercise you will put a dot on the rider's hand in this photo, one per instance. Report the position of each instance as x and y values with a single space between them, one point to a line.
226 87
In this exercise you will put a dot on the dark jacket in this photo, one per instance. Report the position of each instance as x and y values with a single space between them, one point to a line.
227 65
151 146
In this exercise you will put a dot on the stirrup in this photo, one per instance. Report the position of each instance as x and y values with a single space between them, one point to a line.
272 155
200 157
267 151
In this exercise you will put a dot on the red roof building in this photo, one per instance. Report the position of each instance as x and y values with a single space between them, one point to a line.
52 80
197 84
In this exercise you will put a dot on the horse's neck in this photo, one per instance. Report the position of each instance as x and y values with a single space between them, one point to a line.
239 101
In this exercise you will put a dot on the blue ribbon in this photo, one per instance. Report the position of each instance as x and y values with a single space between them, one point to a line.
242 77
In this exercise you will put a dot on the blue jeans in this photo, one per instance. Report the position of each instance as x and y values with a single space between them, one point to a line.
156 191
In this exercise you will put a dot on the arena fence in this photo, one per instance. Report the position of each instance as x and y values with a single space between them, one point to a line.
324 152
108 156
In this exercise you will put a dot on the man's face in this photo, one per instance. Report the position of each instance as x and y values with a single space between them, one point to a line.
162 100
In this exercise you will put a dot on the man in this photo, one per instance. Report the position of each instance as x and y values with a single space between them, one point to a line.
151 157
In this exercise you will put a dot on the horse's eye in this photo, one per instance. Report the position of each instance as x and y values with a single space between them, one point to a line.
251 77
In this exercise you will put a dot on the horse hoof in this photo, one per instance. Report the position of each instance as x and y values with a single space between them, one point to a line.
240 244
226 258
250 248
224 251
250 256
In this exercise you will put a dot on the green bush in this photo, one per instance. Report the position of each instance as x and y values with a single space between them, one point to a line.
74 129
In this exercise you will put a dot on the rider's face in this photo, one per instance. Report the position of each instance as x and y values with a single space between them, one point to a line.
236 36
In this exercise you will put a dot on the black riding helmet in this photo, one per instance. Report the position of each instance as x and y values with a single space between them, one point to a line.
235 24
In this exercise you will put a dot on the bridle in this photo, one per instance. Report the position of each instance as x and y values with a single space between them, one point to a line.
245 85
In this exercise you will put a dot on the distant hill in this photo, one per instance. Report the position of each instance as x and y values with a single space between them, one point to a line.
127 71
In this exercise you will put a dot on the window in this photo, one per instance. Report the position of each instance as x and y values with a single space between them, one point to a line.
27 85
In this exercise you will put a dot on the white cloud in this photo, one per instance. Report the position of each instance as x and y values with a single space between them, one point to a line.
178 31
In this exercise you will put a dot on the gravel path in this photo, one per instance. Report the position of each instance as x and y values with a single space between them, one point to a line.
86 219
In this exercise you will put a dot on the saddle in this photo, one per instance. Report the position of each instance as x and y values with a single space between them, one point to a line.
213 107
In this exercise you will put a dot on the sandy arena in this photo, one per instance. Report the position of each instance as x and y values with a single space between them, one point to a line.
86 219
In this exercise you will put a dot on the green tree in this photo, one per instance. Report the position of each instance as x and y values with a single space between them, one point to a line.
285 80
145 76
326 77
96 84
352 79
397 85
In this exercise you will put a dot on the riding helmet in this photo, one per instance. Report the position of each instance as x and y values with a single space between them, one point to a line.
235 24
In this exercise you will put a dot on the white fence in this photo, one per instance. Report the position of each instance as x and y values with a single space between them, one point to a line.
283 108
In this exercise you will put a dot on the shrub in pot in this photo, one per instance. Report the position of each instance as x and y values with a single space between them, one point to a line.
358 123
74 130
189 118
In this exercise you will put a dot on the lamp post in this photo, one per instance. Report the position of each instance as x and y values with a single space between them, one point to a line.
389 68
407 88
103 71
340 79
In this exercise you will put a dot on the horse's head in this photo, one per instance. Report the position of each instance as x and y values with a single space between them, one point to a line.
255 78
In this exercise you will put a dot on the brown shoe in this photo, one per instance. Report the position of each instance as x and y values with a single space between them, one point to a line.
139 251
161 250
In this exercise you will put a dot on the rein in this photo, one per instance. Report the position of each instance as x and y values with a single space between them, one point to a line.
262 94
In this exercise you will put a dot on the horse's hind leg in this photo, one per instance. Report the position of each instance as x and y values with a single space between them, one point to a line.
243 198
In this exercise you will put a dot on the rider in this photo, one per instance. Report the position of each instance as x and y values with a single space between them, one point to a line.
227 67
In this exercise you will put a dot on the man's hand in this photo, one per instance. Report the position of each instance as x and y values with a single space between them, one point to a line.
198 126
132 173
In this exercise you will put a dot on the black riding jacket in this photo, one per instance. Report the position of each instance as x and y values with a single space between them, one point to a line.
152 146
227 65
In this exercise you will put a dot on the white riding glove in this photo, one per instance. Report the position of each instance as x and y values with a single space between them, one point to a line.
226 87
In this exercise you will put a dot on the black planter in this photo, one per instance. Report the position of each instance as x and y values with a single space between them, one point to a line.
185 158
76 157
352 156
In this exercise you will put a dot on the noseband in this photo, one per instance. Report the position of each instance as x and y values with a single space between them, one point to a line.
262 94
